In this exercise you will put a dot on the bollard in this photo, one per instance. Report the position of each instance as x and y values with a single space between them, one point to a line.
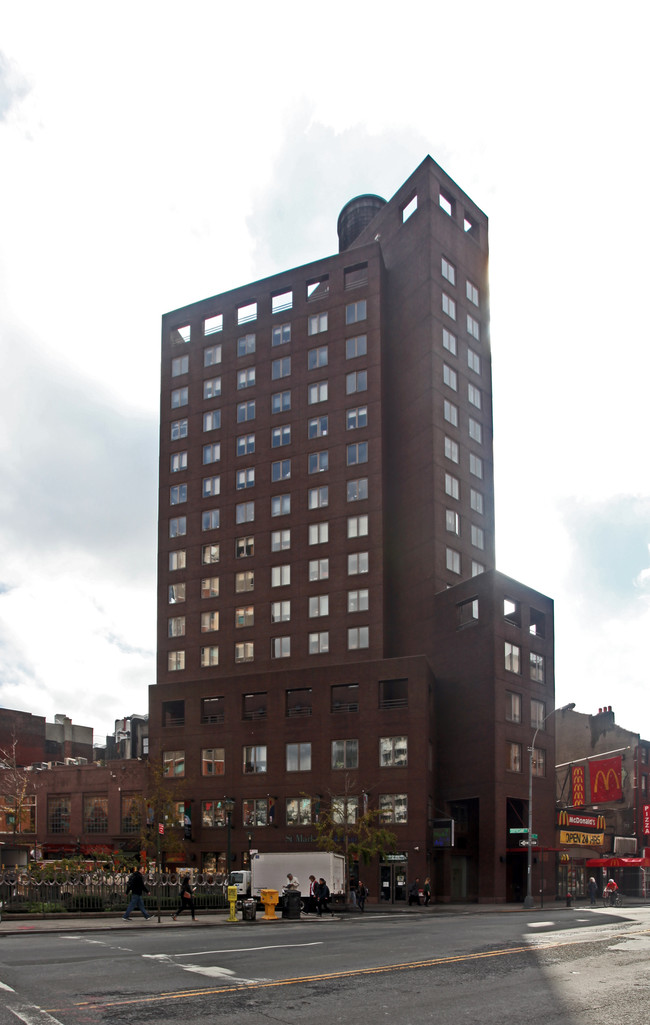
232 900
269 899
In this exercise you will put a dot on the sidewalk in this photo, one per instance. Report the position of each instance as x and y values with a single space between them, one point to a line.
18 925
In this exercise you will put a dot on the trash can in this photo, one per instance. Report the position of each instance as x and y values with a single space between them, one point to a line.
248 910
291 905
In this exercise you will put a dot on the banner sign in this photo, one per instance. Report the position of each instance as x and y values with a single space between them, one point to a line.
578 785
578 839
646 819
567 818
605 777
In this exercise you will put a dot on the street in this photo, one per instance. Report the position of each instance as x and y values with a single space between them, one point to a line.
557 966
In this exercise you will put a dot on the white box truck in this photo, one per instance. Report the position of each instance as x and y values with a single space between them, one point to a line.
269 871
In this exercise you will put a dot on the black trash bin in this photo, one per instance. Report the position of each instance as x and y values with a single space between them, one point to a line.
291 905
248 910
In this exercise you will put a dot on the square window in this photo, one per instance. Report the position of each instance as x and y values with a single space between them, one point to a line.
281 334
319 569
354 312
319 643
244 616
317 322
475 431
175 661
245 652
477 568
478 537
178 526
449 377
450 413
212 453
345 754
476 500
358 601
176 593
357 417
280 611
178 559
452 486
255 812
178 429
358 526
356 382
211 486
254 759
473 361
298 756
212 388
244 547
393 752
244 581
246 411
281 436
319 605
176 626
452 560
467 612
281 368
280 505
357 453
280 647
358 562
358 637
447 203
245 478
318 427
513 706
318 498
357 346
317 358
210 587
246 378
280 540
476 465
448 271
212 420
212 356
281 576
209 622
180 397
471 291
281 470
174 763
536 667
281 402
318 462
452 522
449 342
246 345
245 512
448 306
318 533
298 811
451 450
357 490
393 808
512 657
317 393
177 494
245 444
537 714
355 276
513 757
474 396
210 519
209 554
473 328
213 761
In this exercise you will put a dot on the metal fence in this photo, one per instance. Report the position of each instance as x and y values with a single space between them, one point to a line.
49 892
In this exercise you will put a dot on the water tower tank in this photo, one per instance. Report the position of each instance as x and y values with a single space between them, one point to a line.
355 216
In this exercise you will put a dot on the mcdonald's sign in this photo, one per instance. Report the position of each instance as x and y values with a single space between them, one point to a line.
578 785
605 776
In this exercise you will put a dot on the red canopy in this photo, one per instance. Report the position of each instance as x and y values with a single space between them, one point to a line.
618 863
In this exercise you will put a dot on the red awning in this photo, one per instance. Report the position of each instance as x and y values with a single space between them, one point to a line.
618 863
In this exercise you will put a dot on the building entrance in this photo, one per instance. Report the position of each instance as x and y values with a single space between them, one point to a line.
392 884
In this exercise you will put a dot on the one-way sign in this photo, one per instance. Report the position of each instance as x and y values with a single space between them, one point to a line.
528 843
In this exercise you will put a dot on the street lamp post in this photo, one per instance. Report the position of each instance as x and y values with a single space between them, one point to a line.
228 805
528 901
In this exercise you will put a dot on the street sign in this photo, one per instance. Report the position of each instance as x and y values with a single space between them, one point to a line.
528 843
519 829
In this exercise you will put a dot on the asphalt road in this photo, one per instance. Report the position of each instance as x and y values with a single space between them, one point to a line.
577 967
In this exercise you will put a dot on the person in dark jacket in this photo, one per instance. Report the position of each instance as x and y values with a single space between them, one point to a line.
362 893
186 900
136 886
322 893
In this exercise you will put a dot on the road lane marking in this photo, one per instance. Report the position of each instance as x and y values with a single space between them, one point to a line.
351 973
237 950
32 1015
3 985
212 971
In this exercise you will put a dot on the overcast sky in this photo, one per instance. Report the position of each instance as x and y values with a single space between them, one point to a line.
153 154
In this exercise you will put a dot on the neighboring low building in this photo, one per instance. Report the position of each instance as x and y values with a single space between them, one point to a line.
602 791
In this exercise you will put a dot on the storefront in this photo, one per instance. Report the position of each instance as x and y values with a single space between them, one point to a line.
632 875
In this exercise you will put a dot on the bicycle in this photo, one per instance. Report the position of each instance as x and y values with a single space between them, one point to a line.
612 899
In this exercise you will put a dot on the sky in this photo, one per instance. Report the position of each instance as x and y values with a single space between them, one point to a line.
153 154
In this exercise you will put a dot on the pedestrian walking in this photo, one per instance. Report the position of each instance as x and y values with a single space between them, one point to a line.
136 886
311 901
593 891
362 893
426 889
322 892
186 900
414 891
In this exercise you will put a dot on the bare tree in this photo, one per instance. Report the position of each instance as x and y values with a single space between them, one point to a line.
18 787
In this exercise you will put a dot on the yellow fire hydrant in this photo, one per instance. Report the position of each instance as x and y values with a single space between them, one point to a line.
269 899
232 900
